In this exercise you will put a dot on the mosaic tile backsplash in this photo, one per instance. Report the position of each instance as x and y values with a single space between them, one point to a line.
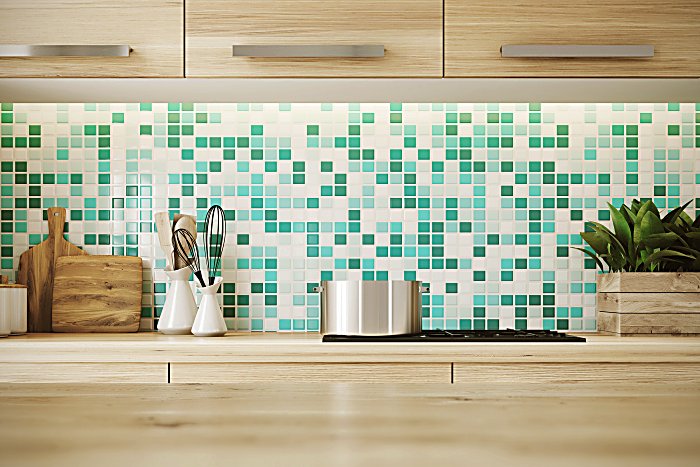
482 201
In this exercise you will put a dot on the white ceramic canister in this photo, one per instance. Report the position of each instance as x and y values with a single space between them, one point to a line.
8 307
210 320
19 315
180 308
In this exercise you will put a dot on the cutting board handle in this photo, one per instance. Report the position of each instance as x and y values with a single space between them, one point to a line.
56 218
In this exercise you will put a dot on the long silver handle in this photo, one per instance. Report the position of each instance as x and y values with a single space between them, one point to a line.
308 51
7 50
577 51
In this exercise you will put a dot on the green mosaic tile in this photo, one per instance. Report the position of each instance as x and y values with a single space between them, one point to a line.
434 192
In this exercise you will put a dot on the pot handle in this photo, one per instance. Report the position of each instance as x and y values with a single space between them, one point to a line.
424 289
317 289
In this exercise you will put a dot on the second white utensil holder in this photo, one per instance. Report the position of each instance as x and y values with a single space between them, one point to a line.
180 308
210 320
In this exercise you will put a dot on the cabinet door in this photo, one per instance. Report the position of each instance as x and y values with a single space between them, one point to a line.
67 372
202 372
314 38
100 38
626 374
602 38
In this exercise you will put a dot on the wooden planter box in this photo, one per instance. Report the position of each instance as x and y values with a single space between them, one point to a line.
649 303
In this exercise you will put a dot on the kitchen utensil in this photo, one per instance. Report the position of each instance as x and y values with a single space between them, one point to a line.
180 308
177 217
371 307
187 222
188 252
97 294
209 321
13 300
36 270
165 235
214 238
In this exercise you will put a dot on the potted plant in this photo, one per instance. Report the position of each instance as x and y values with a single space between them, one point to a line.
653 281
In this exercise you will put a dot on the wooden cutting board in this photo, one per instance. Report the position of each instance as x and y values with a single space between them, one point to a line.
97 294
36 271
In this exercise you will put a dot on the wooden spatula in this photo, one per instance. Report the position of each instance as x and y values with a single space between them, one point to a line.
36 271
165 235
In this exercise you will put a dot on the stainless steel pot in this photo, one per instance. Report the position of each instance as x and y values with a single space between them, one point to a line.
366 308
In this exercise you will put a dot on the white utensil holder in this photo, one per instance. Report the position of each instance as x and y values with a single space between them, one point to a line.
210 319
180 308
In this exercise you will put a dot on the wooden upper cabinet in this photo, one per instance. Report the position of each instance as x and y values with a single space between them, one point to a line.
313 38
475 31
68 38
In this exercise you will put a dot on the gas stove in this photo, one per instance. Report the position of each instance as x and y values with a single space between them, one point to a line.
439 335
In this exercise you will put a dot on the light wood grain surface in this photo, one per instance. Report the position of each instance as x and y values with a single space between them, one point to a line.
275 358
656 302
649 303
311 372
349 425
153 29
649 323
109 372
99 293
294 348
410 30
475 30
645 282
576 373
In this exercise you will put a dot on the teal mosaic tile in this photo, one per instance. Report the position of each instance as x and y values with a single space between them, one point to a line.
481 201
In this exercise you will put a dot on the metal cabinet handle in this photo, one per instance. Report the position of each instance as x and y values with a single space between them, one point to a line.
424 289
577 51
7 50
317 289
308 51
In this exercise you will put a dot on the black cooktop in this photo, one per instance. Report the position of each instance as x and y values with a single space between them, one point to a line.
502 335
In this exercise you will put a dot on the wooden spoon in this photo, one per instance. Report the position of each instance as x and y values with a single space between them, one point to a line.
188 223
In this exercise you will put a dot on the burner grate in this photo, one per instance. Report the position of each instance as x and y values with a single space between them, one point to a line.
440 335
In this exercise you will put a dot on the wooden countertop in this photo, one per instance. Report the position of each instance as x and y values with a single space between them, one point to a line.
608 402
332 424
308 348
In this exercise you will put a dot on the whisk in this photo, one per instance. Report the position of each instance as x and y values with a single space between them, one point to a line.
185 247
214 238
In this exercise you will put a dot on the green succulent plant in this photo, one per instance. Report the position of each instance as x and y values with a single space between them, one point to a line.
643 241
